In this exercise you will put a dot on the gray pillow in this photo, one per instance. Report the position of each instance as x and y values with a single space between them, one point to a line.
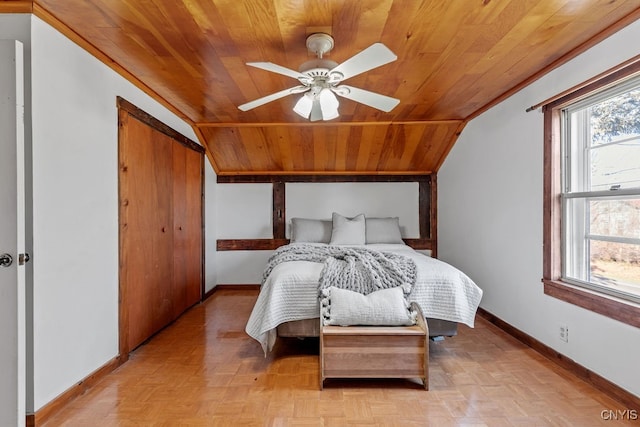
305 230
348 231
383 230
383 307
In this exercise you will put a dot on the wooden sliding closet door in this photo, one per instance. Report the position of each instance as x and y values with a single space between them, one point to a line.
187 223
161 226
145 246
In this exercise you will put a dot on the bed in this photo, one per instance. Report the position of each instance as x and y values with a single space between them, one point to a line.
288 303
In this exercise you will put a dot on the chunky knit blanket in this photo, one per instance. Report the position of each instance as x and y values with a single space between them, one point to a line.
357 269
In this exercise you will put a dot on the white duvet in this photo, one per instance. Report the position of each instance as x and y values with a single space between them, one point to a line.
291 293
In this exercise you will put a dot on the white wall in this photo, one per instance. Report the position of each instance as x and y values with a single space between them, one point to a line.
377 199
490 192
244 211
75 208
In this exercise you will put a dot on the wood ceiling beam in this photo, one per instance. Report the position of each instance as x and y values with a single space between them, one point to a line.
16 6
317 124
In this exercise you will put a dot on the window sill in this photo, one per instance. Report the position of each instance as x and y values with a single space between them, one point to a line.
614 308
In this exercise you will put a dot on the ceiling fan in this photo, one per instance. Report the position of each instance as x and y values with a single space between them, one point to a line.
321 80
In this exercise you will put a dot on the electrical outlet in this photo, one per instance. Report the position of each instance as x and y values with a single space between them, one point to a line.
564 333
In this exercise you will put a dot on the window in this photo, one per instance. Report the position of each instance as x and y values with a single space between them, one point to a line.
600 138
592 196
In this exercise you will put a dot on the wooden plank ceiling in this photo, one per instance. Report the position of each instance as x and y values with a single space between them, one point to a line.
456 58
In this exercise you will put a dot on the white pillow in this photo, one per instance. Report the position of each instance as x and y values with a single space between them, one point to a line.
348 231
384 307
310 230
383 230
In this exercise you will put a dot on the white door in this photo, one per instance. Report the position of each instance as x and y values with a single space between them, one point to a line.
12 282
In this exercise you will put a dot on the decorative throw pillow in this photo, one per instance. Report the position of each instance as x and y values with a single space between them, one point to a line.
304 230
348 231
388 307
383 230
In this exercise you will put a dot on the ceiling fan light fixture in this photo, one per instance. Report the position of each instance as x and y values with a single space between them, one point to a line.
317 105
328 104
316 111
304 105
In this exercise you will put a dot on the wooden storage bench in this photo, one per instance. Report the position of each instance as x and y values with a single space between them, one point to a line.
375 351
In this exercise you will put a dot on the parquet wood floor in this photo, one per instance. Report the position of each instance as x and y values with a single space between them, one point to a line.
205 371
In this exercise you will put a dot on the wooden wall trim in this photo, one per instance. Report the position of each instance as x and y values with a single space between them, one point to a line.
16 6
156 124
616 75
422 244
250 244
273 244
433 215
258 179
254 287
633 62
621 395
551 204
322 123
50 409
424 208
427 209
279 215
123 309
622 311
203 231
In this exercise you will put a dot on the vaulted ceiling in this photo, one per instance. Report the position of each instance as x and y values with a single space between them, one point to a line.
456 58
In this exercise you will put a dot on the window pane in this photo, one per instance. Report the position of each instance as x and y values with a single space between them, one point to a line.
616 218
576 263
588 258
615 117
616 164
616 265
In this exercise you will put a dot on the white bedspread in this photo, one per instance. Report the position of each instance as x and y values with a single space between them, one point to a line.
291 293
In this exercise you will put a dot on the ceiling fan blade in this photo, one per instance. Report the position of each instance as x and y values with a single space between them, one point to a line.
275 68
372 99
372 57
265 99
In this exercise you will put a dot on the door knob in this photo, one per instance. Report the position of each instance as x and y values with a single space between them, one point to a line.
6 260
